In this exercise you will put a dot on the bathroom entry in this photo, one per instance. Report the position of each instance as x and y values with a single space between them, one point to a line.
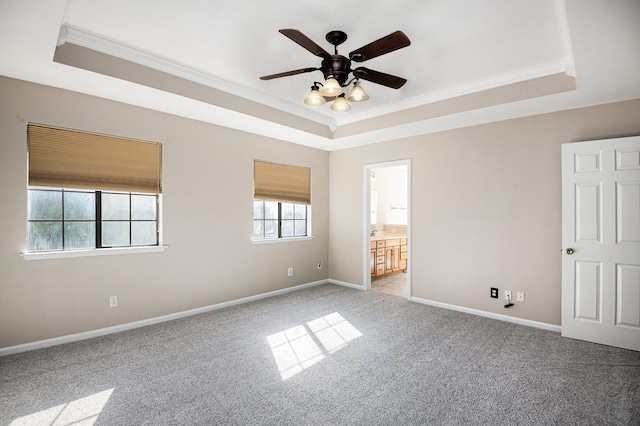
388 223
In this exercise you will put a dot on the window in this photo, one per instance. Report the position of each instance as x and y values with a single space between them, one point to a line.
62 219
115 197
281 200
272 219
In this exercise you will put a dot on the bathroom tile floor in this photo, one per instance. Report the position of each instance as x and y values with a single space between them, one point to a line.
395 284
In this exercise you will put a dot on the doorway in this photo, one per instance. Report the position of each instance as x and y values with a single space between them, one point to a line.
387 227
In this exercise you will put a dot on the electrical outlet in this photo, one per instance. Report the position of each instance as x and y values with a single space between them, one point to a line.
319 265
520 296
113 301
494 292
507 295
290 271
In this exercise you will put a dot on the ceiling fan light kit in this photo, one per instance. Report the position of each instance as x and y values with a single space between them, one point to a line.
340 104
331 88
357 93
315 98
337 68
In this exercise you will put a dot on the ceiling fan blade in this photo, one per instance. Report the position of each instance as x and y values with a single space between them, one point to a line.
379 77
288 73
305 42
393 41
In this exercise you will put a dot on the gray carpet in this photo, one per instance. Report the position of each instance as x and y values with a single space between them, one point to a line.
324 356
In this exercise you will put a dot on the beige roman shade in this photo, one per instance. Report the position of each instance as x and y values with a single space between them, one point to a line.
277 182
72 159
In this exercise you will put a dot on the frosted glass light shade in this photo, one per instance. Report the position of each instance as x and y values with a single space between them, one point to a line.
331 88
357 94
314 98
340 105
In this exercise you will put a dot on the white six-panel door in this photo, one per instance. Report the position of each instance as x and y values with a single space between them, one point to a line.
601 241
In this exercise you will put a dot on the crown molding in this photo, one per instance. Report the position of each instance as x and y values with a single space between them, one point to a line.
81 37
565 36
565 65
512 77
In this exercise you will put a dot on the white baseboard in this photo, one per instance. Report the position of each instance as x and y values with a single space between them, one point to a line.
346 284
170 317
10 350
501 317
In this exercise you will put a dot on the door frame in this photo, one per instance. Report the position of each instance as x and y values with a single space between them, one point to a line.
366 214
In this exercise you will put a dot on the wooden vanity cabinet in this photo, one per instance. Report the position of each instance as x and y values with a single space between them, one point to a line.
377 258
372 260
403 254
388 256
392 255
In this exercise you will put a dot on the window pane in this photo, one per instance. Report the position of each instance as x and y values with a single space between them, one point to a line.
115 206
271 229
79 206
258 229
115 234
301 211
287 211
301 228
79 235
287 228
45 205
143 233
270 210
291 217
45 236
258 209
143 207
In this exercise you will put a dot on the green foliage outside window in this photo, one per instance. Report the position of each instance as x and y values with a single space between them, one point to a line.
74 220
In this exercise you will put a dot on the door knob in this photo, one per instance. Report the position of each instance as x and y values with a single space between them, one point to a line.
569 250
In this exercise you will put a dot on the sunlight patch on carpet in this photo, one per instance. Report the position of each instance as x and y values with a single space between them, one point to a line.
302 346
83 411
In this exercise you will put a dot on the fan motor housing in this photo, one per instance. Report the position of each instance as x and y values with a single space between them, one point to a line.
337 66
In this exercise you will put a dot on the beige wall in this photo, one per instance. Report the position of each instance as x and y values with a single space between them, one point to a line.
207 211
485 212
486 207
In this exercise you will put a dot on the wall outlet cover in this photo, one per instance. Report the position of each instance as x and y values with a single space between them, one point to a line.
494 292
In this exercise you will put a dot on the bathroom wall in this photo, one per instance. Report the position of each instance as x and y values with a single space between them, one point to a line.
391 186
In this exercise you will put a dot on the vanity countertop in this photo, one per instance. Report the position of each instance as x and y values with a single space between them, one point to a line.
387 236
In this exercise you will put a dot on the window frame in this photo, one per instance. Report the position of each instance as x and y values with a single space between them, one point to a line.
280 238
98 222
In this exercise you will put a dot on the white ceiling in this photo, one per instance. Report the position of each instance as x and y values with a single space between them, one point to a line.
458 48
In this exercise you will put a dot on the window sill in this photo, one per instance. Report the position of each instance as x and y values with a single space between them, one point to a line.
86 253
281 240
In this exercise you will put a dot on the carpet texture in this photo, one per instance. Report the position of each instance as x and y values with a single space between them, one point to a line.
327 355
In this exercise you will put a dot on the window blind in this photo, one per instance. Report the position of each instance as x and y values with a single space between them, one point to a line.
73 159
277 182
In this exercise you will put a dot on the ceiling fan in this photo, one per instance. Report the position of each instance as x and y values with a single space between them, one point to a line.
337 68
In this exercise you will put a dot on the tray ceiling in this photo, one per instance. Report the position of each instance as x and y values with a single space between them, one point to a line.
202 59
